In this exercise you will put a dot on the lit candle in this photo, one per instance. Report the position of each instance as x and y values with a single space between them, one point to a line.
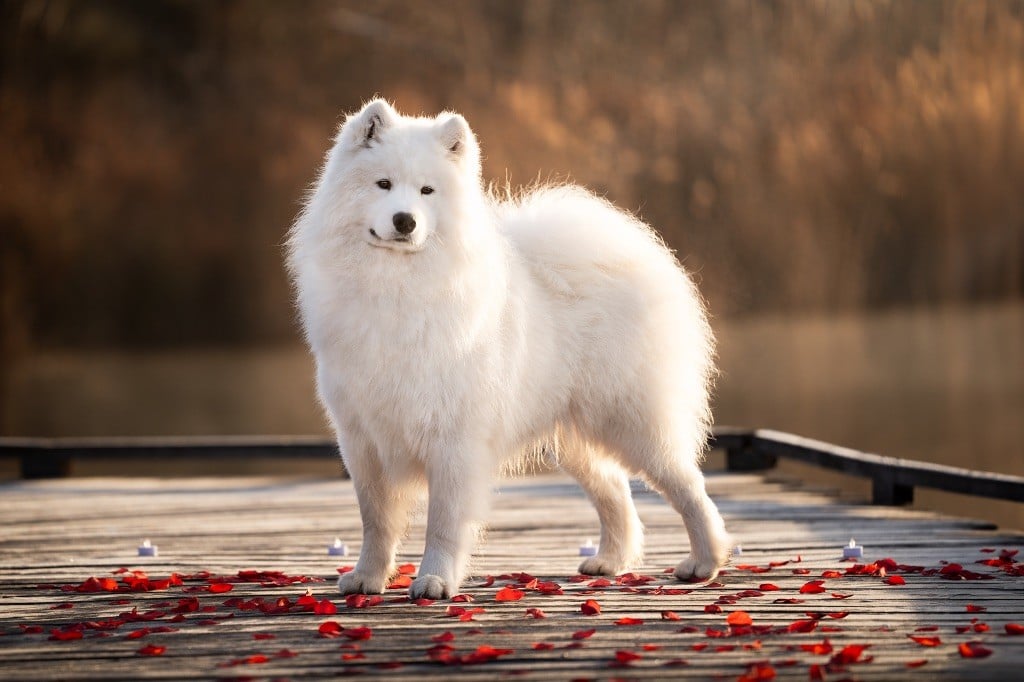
147 548
588 548
338 548
853 550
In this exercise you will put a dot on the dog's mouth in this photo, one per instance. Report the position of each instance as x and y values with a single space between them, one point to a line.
398 243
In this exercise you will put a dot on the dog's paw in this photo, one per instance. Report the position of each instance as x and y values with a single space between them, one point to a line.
429 587
599 565
355 582
691 569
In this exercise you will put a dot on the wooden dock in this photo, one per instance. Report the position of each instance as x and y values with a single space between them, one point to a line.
245 551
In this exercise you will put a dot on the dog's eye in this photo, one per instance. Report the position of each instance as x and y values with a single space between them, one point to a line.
384 184
427 189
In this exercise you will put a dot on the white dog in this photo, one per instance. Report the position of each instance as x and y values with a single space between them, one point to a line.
454 331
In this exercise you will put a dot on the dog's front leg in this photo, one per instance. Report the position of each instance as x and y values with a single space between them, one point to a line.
384 508
458 495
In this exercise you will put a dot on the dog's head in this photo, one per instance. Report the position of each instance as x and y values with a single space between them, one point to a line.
403 178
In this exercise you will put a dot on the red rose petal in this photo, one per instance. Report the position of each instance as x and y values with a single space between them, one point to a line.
358 633
926 641
400 582
895 580
626 657
590 608
263 635
536 613
65 635
973 650
916 663
583 634
1014 629
330 628
712 608
739 618
509 594
813 587
629 621
848 654
325 608
974 608
151 650
818 649
670 615
407 569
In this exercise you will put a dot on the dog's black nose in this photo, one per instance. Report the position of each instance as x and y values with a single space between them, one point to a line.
404 222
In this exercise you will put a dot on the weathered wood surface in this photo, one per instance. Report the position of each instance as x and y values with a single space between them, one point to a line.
61 532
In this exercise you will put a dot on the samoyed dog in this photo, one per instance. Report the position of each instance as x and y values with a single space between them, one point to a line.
454 331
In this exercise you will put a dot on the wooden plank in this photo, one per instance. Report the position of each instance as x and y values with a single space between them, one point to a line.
60 532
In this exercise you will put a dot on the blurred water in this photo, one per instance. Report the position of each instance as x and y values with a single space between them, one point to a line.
938 385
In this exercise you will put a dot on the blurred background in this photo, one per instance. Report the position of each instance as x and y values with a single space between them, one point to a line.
844 178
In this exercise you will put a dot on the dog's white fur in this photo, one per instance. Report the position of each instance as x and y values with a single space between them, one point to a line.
496 327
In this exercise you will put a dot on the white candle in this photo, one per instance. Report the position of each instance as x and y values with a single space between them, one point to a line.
147 548
588 548
853 550
338 548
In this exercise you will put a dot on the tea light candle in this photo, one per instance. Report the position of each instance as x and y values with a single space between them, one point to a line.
588 548
338 548
853 550
147 548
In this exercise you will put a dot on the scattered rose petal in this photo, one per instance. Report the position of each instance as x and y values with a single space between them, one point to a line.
583 634
670 615
65 635
330 628
974 608
1014 629
916 663
848 654
151 650
263 635
509 594
358 633
536 613
813 587
739 618
400 582
626 657
219 588
926 641
629 621
895 580
590 608
712 608
325 608
973 650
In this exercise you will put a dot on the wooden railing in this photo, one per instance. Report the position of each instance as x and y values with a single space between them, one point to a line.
893 480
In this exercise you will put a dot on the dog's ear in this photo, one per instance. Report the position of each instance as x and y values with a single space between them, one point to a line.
457 138
364 129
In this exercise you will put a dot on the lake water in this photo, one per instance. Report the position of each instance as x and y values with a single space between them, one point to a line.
943 385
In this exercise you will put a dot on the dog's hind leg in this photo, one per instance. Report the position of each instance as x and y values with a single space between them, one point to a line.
606 483
674 473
